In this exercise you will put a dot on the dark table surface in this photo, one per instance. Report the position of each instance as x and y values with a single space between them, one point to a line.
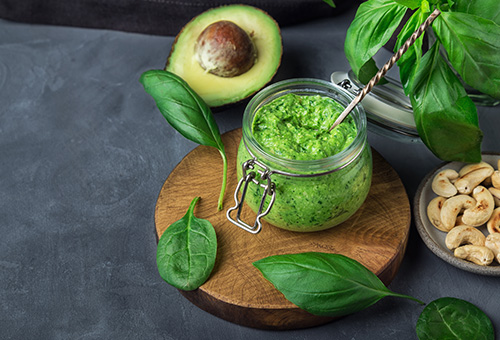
83 155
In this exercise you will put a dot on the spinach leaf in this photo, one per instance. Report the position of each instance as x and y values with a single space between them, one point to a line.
473 49
372 27
487 9
409 61
324 284
445 116
452 318
186 112
186 251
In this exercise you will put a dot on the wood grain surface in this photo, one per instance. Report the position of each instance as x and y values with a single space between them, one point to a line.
236 291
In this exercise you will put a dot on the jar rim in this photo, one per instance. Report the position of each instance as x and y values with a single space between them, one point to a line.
305 86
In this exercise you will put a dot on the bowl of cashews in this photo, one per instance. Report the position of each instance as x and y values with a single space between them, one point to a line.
457 214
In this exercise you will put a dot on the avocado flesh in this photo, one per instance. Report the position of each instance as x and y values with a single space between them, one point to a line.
218 91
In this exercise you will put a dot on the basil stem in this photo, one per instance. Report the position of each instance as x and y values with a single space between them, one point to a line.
452 318
324 284
186 112
186 251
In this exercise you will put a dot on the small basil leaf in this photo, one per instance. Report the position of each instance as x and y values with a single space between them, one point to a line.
186 251
452 318
324 284
372 27
183 108
409 61
487 9
367 71
473 49
446 118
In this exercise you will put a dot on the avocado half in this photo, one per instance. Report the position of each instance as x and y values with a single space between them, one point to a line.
219 91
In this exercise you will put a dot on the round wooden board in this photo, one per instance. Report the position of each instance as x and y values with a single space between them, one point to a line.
236 291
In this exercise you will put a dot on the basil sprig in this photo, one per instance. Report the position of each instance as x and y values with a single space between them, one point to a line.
186 251
452 318
324 284
468 31
186 112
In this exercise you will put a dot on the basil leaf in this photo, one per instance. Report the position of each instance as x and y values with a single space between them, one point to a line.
452 318
473 49
409 61
372 27
330 2
186 112
182 107
324 284
186 251
445 116
411 4
487 9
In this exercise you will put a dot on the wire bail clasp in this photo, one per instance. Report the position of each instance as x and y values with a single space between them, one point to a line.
247 178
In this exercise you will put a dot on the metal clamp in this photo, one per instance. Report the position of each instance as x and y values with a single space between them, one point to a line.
248 178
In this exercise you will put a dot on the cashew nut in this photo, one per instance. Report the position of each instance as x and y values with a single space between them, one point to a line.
460 220
469 181
464 235
471 167
493 242
493 224
481 212
480 255
495 179
441 184
496 195
452 207
434 211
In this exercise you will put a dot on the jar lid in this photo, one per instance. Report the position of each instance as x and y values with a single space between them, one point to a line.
388 109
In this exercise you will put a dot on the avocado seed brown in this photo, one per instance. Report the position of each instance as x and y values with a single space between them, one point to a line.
225 49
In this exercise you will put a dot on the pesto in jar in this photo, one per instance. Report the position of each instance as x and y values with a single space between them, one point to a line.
296 127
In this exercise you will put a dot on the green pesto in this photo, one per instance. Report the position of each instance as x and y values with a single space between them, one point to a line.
296 127
313 203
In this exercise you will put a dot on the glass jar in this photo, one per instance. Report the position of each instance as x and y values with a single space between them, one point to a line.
301 195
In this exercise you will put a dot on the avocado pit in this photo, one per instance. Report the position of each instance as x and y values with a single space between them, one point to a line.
225 49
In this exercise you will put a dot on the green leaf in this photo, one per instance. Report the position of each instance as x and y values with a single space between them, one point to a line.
372 27
367 71
452 318
182 107
409 61
445 116
324 284
330 2
186 251
473 47
486 9
186 112
411 4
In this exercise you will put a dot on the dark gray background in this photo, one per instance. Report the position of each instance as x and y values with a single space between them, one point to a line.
83 155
